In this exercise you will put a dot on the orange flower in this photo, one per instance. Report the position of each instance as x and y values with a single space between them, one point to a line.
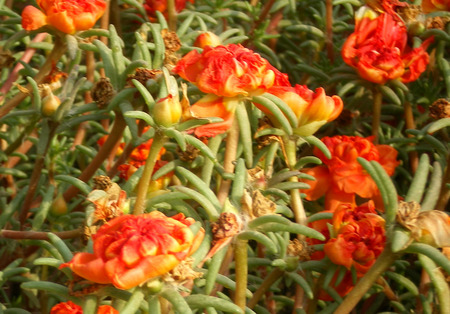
435 5
207 39
342 177
66 308
312 109
378 49
358 237
68 16
151 6
129 250
228 71
212 106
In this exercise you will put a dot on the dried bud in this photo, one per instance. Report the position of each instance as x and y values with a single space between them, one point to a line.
102 92
207 39
414 18
172 44
440 109
50 102
102 183
143 75
167 111
438 22
226 226
300 249
189 154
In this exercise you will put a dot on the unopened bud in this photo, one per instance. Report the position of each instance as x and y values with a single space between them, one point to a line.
59 206
207 39
50 103
167 111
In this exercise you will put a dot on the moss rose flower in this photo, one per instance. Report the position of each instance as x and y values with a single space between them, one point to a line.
68 16
129 250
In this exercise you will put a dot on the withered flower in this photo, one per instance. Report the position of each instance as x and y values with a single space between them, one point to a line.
102 92
257 205
440 109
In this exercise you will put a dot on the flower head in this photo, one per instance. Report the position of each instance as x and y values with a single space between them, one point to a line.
378 49
359 237
129 250
312 109
342 177
67 16
228 71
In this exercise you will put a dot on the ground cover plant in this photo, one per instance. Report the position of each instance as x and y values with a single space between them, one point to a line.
278 156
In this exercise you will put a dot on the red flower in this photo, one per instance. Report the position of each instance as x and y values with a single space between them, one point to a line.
151 6
435 5
342 177
228 71
358 237
312 109
66 308
378 49
68 16
129 250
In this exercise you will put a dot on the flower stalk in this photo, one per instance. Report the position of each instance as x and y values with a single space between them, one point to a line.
376 117
241 268
290 146
228 163
158 142
384 261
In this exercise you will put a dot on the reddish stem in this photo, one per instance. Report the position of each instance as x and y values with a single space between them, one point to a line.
39 235
103 153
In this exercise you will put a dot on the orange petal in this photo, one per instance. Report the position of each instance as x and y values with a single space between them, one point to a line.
147 268
88 266
62 21
318 187
33 18
339 251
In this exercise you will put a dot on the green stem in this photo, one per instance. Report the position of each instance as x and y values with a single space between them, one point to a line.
383 262
410 124
45 140
296 201
439 282
158 142
39 235
241 269
265 286
377 101
228 163
172 13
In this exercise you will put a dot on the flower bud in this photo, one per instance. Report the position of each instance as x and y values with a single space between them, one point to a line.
207 39
167 111
50 102
59 206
